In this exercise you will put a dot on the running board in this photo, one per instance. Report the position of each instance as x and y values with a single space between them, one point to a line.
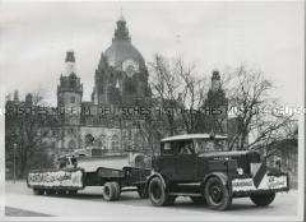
129 189
189 184
185 194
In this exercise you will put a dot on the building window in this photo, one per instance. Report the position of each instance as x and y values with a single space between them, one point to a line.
72 99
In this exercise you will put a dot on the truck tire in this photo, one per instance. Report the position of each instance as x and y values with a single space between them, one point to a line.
158 194
217 194
38 191
111 191
198 200
262 200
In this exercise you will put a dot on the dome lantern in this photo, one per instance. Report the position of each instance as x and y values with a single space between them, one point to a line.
121 32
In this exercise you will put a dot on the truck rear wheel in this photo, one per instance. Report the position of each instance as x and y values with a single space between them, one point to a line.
262 200
111 191
158 194
217 195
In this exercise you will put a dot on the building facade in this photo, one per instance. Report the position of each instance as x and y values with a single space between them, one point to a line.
110 122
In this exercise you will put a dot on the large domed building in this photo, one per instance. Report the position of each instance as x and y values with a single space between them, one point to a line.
120 80
121 76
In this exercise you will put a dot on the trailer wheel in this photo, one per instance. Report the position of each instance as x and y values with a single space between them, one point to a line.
38 191
111 191
158 194
217 194
198 200
262 200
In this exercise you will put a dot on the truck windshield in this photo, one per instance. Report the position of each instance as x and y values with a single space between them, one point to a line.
208 145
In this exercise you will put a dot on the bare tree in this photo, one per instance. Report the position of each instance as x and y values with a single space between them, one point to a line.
179 91
250 97
25 125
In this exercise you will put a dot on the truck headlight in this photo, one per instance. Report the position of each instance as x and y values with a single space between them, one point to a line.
240 171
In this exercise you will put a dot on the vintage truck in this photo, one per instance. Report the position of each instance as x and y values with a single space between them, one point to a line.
199 166
115 174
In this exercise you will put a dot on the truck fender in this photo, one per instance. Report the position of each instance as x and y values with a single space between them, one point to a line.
222 176
153 175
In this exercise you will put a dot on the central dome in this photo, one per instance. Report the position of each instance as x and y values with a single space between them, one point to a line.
122 49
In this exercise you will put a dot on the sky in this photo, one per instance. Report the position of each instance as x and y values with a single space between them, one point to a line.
212 35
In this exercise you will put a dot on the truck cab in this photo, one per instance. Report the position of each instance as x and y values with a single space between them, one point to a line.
201 166
182 157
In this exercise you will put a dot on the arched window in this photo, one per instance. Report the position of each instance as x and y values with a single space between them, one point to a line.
115 143
89 140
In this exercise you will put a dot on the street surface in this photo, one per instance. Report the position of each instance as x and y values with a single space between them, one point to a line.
20 201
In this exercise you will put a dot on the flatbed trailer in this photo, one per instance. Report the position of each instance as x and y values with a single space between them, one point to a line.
71 180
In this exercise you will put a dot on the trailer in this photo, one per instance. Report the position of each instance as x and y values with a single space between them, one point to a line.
69 179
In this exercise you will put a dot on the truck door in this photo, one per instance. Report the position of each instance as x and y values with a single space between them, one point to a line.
167 161
186 161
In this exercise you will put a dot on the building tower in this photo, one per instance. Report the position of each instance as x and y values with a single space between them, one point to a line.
70 92
216 107
69 99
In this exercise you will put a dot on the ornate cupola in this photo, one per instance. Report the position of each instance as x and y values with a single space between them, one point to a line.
121 32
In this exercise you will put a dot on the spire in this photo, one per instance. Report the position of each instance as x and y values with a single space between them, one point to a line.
121 32
121 15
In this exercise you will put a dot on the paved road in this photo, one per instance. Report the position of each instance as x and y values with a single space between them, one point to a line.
89 203
15 212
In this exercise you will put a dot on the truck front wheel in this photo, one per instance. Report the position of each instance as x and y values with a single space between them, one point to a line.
158 194
216 194
262 199
111 191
